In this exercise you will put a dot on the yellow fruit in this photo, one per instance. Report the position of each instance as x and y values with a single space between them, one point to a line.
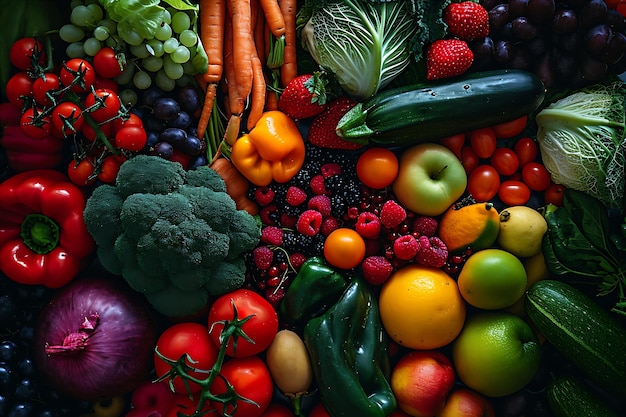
421 307
521 230
475 226
492 279
536 270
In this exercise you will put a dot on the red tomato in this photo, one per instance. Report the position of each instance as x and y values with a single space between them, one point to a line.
454 143
536 176
24 50
180 157
79 74
526 150
260 328
278 410
514 193
49 83
319 411
103 104
469 159
131 138
132 120
109 169
81 173
67 118
483 183
107 63
483 142
18 88
107 83
190 338
554 194
90 133
34 124
250 379
511 128
505 161
183 405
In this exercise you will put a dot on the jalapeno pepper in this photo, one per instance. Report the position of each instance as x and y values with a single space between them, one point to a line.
43 237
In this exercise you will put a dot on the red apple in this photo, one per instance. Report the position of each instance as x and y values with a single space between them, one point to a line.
464 402
421 381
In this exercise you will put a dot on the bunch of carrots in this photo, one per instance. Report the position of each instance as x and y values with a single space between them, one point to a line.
251 49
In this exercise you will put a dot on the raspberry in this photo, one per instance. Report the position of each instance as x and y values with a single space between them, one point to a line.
318 185
263 257
264 196
392 214
320 203
328 225
295 196
296 260
433 252
309 222
425 225
368 225
406 247
272 235
269 215
376 269
288 221
330 169
274 295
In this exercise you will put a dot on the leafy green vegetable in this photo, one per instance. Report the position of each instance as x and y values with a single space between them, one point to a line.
578 246
582 138
367 44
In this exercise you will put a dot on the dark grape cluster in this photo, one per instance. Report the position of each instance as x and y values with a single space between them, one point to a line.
565 43
22 391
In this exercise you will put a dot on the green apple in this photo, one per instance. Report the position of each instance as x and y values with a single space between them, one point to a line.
430 179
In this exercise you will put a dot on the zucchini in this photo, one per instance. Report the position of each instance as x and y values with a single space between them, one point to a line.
581 330
571 396
425 112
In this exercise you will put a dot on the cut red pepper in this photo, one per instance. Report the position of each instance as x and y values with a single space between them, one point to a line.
43 237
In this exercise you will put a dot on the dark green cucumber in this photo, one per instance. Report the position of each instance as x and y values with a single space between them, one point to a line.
570 396
581 330
425 112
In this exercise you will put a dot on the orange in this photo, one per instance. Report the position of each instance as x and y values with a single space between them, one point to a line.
421 307
344 248
377 167
474 226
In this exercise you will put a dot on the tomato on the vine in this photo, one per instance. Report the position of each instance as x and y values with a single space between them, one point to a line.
278 410
131 138
81 172
90 133
18 88
554 194
526 150
511 128
78 73
514 193
260 328
109 168
505 160
483 183
34 124
48 83
24 50
132 120
103 104
185 405
107 63
483 141
67 117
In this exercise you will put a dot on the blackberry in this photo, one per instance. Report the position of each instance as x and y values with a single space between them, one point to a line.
338 206
303 177
293 210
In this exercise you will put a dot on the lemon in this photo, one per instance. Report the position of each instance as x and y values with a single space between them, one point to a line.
521 230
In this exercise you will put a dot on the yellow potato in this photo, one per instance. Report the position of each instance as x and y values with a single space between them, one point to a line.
288 361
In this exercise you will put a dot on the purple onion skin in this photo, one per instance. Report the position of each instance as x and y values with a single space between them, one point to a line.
117 354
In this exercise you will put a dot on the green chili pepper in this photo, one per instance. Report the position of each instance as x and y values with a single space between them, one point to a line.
350 355
315 288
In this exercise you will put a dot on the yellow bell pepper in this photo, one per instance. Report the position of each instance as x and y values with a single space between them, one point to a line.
272 150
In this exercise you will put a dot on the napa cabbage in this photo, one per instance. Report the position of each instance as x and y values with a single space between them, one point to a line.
582 141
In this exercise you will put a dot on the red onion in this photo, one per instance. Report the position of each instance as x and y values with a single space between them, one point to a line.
95 339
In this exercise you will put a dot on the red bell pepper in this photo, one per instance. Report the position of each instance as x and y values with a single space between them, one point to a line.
43 237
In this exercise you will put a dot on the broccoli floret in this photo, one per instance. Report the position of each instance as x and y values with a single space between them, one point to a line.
217 209
174 302
149 174
102 215
244 234
140 211
205 176
190 279
226 276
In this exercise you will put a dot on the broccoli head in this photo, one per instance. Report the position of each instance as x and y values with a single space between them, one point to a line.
176 236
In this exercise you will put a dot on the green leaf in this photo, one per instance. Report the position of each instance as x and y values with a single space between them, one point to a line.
182 4
591 217
142 16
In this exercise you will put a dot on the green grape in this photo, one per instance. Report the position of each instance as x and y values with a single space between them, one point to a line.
164 82
163 32
109 24
188 38
96 13
80 16
140 51
185 80
92 46
180 21
71 33
155 47
188 68
171 68
75 50
152 63
170 45
101 33
134 38
167 17
180 55
115 43
128 97
142 80
126 76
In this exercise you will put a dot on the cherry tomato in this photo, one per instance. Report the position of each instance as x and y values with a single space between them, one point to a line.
536 176
81 172
250 379
132 120
511 128
23 51
34 124
260 328
190 338
79 74
344 248
18 88
131 138
107 83
469 159
454 143
90 133
183 405
49 83
319 410
107 63
103 104
514 193
505 161
483 142
377 167
109 169
67 118
526 150
554 194
278 410
483 183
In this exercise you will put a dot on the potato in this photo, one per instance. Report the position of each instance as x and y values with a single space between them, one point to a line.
288 361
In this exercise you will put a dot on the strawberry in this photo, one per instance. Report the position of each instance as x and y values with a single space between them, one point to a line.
467 20
304 96
448 58
323 128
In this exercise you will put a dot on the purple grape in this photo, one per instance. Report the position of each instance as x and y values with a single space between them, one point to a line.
198 161
183 121
498 17
597 40
189 99
482 47
592 13
592 69
164 150
502 51
523 28
518 8
174 136
166 108
490 4
541 11
192 145
615 19
564 21
537 46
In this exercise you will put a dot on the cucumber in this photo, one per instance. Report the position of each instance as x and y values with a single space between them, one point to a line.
425 112
582 331
570 396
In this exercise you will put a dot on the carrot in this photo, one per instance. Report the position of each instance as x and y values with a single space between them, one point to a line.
257 102
236 185
271 100
289 68
243 43
274 17
260 35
